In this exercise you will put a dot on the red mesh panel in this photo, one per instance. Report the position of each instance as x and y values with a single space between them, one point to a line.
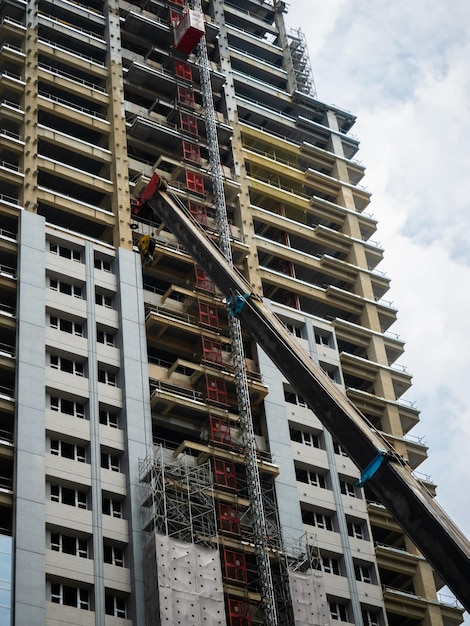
198 211
185 95
188 123
229 519
180 3
195 182
216 390
182 69
203 281
224 474
220 430
235 567
239 613
175 17
211 351
192 152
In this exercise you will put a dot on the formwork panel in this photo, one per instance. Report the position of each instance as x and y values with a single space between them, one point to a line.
309 599
183 584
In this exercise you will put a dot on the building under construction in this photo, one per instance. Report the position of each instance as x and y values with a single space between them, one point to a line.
155 465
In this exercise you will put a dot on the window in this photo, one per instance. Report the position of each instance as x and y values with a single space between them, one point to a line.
330 565
66 253
102 300
66 365
112 507
293 398
307 438
320 520
70 596
348 489
356 530
310 477
71 497
110 461
339 449
107 377
338 612
371 618
67 288
115 605
363 573
101 264
108 418
61 405
68 450
322 338
113 555
294 330
69 545
106 337
330 370
67 326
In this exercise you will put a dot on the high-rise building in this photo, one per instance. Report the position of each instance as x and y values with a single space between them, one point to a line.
126 497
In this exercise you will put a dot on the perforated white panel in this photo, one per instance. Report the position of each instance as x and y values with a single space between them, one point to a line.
309 599
183 584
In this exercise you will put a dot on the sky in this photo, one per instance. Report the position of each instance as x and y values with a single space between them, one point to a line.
403 68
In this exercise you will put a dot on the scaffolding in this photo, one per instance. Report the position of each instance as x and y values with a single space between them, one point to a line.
301 61
177 497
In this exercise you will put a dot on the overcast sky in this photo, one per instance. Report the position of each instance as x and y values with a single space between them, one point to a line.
403 68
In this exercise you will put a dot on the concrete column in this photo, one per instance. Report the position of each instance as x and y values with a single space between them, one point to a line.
30 105
30 493
118 141
95 452
136 411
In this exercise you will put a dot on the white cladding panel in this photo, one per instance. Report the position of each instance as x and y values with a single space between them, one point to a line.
183 584
309 599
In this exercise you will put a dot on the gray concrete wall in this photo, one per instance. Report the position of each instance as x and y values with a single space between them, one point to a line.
136 410
29 497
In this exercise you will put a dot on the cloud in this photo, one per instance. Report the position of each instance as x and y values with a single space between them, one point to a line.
402 68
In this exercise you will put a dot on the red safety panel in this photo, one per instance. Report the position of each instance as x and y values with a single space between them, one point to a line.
195 182
208 314
224 474
229 519
180 3
239 613
220 430
185 96
188 123
198 211
216 390
191 152
175 18
211 351
203 281
182 69
235 567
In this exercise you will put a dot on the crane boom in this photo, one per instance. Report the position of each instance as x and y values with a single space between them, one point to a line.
429 527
